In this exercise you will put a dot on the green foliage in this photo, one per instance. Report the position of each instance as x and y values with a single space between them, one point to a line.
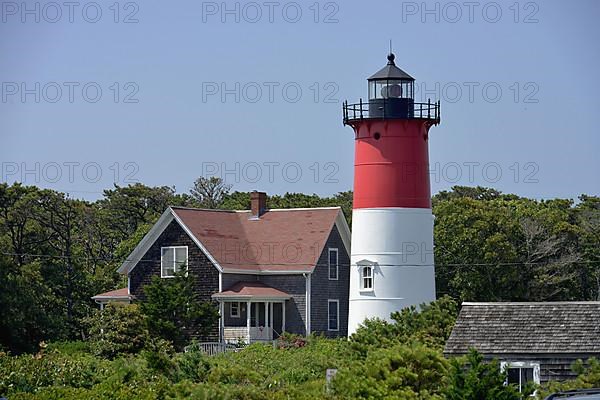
28 373
174 312
432 324
400 372
118 329
588 377
192 366
158 355
69 348
496 247
473 379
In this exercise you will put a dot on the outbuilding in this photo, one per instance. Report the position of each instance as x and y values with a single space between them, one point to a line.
536 341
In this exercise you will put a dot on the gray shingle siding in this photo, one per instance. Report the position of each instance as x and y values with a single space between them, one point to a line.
553 367
323 289
206 276
295 308
230 279
553 334
294 285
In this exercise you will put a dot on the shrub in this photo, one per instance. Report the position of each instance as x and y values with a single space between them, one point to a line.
28 373
191 365
472 378
401 372
69 348
158 354
588 377
118 329
174 312
432 325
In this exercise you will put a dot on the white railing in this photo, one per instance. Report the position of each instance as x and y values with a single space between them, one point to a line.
237 334
211 348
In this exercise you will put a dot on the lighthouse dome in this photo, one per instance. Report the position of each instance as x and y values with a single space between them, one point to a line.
391 71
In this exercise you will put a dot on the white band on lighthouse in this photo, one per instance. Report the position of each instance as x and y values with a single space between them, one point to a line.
392 264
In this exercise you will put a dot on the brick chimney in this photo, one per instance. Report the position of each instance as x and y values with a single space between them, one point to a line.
258 204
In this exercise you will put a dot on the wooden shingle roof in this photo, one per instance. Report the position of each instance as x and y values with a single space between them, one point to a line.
530 328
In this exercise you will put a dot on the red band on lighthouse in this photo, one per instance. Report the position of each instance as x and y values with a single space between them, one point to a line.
391 167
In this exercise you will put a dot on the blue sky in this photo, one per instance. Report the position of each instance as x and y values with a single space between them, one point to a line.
252 92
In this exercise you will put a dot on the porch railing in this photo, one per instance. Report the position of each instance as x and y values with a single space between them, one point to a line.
211 348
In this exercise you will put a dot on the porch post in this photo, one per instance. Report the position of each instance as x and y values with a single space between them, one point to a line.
283 317
271 315
248 311
222 321
266 314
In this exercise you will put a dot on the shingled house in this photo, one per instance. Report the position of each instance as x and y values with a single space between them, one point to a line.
536 341
270 271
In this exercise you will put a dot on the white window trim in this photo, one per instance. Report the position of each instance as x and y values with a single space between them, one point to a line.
523 364
337 304
187 259
238 309
362 278
337 263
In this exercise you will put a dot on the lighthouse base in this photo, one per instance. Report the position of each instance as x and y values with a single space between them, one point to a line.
395 247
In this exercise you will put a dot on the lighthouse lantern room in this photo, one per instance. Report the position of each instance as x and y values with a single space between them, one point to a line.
392 224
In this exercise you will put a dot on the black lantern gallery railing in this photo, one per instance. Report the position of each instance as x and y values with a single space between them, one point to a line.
399 108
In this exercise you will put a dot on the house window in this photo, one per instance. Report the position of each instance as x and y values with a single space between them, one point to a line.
521 373
333 264
366 280
234 309
333 315
172 260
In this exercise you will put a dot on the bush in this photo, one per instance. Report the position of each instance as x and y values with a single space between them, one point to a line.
174 312
588 377
158 354
118 329
70 348
473 379
28 373
400 372
192 365
432 325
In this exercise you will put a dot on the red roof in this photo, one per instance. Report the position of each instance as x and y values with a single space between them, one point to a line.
114 294
250 290
280 240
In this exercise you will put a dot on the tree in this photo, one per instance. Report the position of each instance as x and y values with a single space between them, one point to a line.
62 218
130 206
478 248
174 312
475 193
474 379
210 192
30 311
117 329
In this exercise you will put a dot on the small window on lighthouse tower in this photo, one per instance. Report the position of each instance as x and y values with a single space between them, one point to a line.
366 282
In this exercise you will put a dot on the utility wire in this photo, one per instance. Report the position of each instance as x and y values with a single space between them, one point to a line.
252 262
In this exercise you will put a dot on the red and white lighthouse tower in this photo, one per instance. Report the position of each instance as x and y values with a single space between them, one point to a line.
392 224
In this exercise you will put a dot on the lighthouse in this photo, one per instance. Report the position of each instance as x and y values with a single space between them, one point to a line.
392 224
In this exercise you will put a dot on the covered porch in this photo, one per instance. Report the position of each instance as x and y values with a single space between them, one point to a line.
118 296
251 312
